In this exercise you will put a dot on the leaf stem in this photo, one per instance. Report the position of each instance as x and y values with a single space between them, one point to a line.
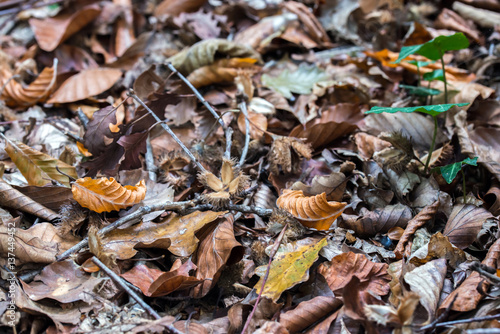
432 144
243 107
445 82
463 184
169 131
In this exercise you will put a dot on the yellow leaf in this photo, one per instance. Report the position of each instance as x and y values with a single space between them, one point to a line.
103 195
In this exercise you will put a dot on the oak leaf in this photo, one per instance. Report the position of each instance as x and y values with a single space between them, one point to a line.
105 195
38 168
312 211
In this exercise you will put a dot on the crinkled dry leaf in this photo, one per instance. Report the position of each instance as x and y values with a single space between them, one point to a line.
312 211
218 248
86 84
290 266
339 271
50 32
38 168
203 54
464 223
106 195
16 94
12 198
308 312
416 222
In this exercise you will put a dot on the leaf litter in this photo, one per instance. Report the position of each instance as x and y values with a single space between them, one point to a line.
248 166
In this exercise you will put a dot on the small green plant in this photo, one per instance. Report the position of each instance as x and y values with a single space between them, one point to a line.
434 50
449 172
433 110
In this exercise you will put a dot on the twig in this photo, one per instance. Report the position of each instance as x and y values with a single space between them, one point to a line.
271 257
235 207
243 107
483 270
229 134
118 280
442 317
177 206
464 321
169 131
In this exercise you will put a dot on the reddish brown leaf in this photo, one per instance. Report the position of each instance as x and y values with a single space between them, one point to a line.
52 31
218 248
52 197
339 271
308 312
175 7
322 134
258 124
464 223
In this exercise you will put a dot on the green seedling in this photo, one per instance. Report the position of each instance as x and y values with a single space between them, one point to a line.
433 110
435 49
420 91
419 64
449 172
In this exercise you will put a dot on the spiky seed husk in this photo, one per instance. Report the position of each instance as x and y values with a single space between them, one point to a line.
211 181
281 153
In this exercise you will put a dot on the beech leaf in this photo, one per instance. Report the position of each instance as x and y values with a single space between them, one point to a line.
106 195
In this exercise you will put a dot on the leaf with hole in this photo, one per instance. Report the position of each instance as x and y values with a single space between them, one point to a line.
432 110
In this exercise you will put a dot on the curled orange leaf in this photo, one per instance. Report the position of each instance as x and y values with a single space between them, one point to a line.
312 211
103 195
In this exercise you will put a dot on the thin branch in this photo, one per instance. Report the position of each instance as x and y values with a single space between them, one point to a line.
483 271
229 134
243 107
119 281
234 207
271 257
176 206
169 131
464 321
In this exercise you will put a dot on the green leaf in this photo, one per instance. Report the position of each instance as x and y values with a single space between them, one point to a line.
420 91
434 75
434 49
432 110
449 172
420 63
301 81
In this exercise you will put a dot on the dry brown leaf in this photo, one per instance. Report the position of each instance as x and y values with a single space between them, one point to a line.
51 32
38 168
309 21
464 223
339 271
218 248
12 198
308 312
222 70
258 122
286 153
51 197
38 244
448 19
17 94
106 195
312 211
203 54
86 84
175 7
333 185
467 294
492 198
415 223
322 134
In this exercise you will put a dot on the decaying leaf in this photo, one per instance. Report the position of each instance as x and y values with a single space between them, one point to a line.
290 266
464 223
38 168
105 195
312 211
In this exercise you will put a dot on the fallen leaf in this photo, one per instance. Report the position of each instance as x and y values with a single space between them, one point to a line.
258 124
106 195
175 7
312 211
86 84
290 267
464 223
308 312
222 70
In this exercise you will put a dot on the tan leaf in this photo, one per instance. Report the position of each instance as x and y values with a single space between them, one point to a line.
175 233
258 122
226 172
106 195
308 312
38 244
12 198
467 294
339 271
51 32
222 70
38 168
314 211
17 94
415 223
464 223
86 84
218 248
